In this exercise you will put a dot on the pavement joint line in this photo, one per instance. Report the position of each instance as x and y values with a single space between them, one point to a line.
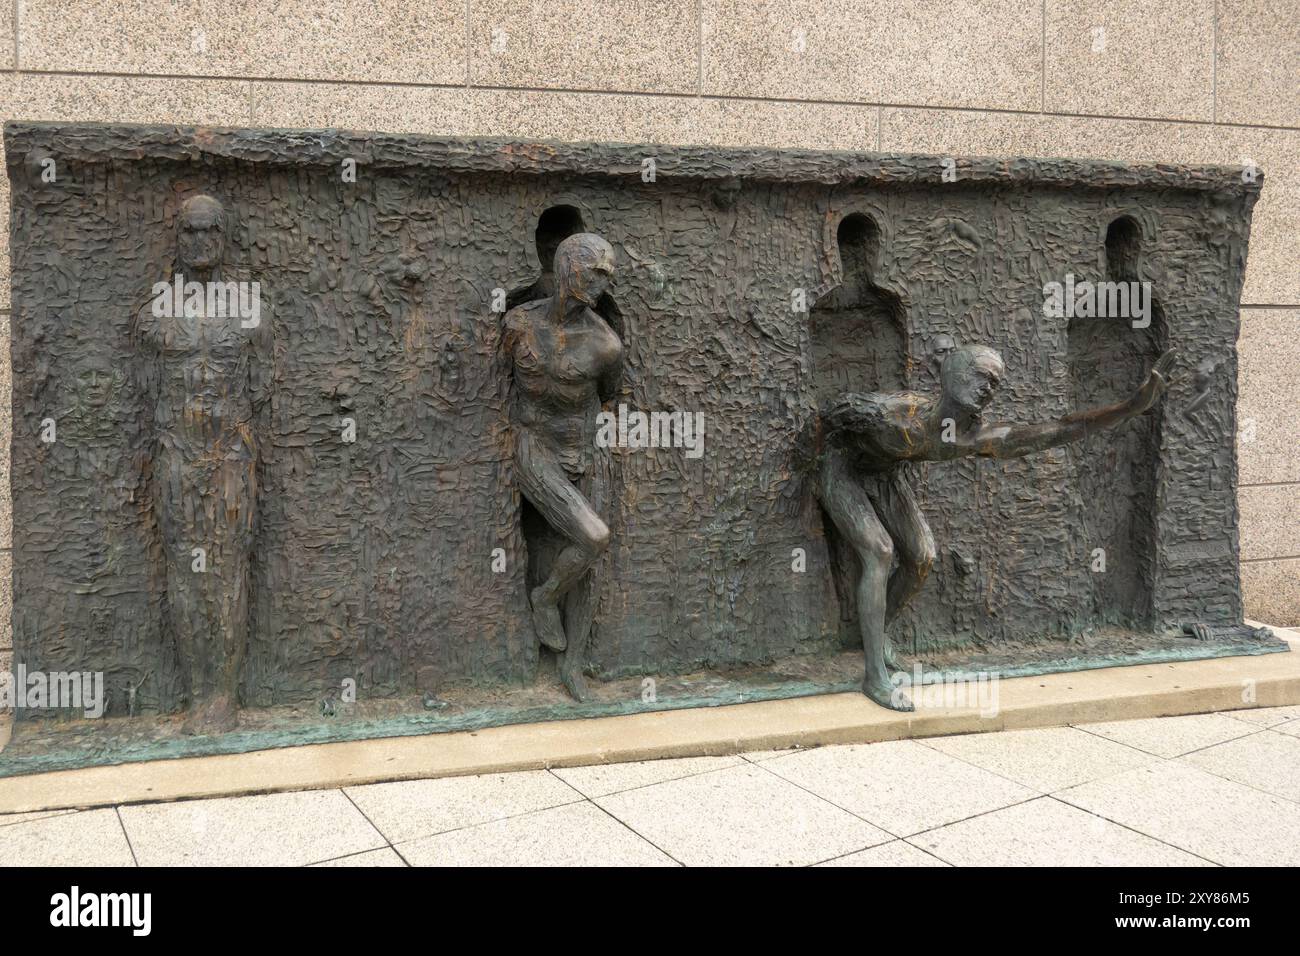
1048 796
861 849
826 799
640 786
1126 826
1133 829
1240 783
117 811
925 741
481 823
348 797
348 855
974 816
928 852
550 771
1175 756
632 830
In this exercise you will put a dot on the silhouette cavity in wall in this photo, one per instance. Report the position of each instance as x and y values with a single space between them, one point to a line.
858 329
1117 473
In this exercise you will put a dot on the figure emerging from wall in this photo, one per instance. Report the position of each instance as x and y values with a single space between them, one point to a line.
209 371
858 333
565 360
868 437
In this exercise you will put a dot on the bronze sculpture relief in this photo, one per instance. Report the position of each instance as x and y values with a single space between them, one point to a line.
393 506
211 376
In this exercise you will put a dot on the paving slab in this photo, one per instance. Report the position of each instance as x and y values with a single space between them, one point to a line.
578 834
1291 728
93 838
1267 716
740 816
1046 832
603 779
416 808
880 784
1217 819
1044 759
9 819
281 829
1173 736
898 853
1267 761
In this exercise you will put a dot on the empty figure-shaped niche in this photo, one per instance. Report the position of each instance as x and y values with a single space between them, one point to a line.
1109 357
1123 245
858 329
555 225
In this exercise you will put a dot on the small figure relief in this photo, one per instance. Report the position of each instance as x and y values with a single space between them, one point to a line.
210 371
92 423
94 478
565 361
870 503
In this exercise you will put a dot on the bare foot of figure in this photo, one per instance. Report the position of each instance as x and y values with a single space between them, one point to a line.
547 621
213 716
571 675
886 694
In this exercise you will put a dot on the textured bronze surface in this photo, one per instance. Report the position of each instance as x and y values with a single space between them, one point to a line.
749 286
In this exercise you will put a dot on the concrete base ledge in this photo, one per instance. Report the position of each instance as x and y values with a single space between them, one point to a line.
1119 693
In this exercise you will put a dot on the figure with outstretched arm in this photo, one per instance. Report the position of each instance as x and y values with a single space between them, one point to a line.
861 488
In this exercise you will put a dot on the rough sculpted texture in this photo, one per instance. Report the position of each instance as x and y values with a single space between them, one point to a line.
748 285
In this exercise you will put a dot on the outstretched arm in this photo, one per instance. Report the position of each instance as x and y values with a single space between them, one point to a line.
1014 441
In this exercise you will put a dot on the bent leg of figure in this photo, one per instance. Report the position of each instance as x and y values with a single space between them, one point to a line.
855 518
913 541
546 485
580 603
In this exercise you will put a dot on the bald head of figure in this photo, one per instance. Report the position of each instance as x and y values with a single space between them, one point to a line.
584 267
201 233
970 376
